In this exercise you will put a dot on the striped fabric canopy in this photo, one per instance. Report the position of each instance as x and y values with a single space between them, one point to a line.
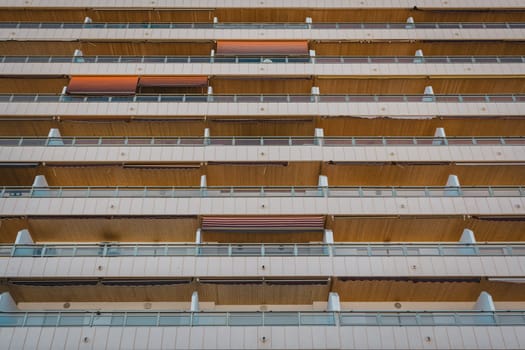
105 85
263 223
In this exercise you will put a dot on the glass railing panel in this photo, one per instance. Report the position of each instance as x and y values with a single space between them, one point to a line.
426 250
320 318
72 319
511 319
109 319
245 319
141 319
41 320
213 250
167 319
210 319
247 250
281 250
341 250
281 319
357 319
437 319
11 319
305 250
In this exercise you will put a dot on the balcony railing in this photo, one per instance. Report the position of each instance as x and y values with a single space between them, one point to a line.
249 98
254 26
242 191
248 319
264 59
258 250
185 141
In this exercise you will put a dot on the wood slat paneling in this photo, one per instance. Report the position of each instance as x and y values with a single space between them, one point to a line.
133 229
392 290
424 229
261 15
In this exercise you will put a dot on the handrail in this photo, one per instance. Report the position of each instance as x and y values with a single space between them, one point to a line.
264 59
196 141
247 319
259 25
267 249
267 98
259 191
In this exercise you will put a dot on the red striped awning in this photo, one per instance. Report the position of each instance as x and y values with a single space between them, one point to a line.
174 81
262 223
230 47
107 85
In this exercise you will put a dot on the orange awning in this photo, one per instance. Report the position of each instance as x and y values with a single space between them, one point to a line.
173 81
229 47
108 85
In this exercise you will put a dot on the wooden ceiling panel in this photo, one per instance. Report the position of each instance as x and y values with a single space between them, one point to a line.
430 48
270 85
260 15
66 48
133 229
422 175
378 290
102 175
424 229
419 290
402 127
276 126
277 174
408 85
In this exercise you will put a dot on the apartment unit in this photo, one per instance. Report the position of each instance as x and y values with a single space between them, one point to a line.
262 174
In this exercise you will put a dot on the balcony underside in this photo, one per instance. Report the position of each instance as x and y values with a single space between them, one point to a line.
264 15
303 85
237 292
250 126
346 229
141 48
265 174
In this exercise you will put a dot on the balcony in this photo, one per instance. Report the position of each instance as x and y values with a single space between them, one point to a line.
43 31
114 260
262 149
317 330
374 66
182 105
89 201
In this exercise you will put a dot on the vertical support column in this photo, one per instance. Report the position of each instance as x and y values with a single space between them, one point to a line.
39 185
429 94
315 92
328 240
308 21
452 188
484 302
419 57
24 237
203 185
198 236
323 185
212 56
312 55
210 94
78 56
215 19
207 136
467 237
439 136
7 304
87 20
54 138
194 307
410 23
334 303
319 136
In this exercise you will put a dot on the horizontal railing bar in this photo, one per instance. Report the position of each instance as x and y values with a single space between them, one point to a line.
267 98
271 249
247 319
262 25
200 141
258 191
263 59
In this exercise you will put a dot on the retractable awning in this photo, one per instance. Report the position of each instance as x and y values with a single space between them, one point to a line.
281 223
106 85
